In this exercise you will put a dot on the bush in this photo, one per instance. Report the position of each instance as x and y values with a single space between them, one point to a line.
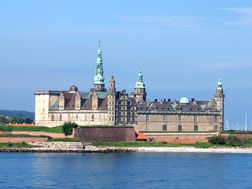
230 140
217 140
235 141
68 128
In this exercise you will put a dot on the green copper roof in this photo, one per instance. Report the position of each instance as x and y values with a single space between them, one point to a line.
99 77
86 95
101 95
140 83
219 83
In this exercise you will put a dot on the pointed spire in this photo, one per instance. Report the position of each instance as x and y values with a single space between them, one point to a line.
99 48
219 83
99 77
140 81
219 90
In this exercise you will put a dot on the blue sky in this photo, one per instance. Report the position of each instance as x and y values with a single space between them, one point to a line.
184 45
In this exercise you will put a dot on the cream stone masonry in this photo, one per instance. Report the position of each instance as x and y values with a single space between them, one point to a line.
100 106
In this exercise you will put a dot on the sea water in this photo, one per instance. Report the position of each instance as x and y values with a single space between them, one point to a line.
125 170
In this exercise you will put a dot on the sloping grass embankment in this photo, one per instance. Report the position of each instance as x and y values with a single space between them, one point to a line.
58 129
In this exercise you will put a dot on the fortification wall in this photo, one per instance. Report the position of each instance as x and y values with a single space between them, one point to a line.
89 134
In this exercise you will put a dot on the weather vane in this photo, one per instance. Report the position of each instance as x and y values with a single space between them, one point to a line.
99 41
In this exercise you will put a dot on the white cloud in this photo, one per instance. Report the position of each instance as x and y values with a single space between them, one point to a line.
242 10
242 17
166 21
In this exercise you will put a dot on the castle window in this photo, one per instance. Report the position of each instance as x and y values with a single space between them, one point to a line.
215 127
179 128
215 118
164 127
196 128
179 118
195 118
147 117
164 118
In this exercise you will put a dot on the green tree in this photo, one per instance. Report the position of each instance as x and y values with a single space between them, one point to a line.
68 128
217 140
235 141
3 120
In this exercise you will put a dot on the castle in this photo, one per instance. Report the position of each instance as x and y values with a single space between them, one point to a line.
101 106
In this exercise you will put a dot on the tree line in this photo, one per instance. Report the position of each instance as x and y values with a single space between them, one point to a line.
13 120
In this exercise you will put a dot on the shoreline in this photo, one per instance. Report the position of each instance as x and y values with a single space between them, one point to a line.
195 150
78 147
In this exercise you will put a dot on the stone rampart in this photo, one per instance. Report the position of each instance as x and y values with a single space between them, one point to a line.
89 134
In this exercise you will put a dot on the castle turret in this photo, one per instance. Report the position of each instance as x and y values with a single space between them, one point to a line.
219 102
112 88
99 77
111 101
139 91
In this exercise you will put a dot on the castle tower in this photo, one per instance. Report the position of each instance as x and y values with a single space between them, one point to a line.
99 77
219 102
111 101
139 91
112 88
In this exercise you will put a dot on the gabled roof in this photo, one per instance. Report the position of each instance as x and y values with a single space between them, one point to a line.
86 99
191 106
55 106
69 101
85 95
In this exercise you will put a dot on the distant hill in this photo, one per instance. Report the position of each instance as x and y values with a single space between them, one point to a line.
18 114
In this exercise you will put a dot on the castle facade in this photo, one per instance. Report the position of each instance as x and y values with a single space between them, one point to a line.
101 106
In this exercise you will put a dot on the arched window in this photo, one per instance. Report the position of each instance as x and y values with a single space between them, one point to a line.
196 128
179 128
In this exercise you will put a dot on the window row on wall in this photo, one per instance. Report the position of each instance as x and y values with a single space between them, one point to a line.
78 117
181 118
180 128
